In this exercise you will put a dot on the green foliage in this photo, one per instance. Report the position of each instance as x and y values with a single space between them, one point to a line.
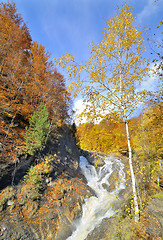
35 173
34 183
35 177
158 195
38 130
69 151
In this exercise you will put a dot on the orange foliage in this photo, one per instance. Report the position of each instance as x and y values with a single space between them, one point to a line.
107 136
27 77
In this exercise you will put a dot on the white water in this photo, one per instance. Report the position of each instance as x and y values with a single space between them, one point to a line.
97 208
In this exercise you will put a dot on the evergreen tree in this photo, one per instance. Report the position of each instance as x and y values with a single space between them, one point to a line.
38 129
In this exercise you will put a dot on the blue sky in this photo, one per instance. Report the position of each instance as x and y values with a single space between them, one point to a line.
68 26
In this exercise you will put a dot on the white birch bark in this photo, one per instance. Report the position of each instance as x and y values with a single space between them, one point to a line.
158 178
132 175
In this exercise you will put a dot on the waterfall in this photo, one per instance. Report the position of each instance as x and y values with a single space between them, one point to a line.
98 207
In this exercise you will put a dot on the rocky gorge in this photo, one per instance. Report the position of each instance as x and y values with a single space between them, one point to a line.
43 208
45 204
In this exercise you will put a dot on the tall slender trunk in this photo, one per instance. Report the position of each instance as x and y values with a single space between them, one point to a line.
132 175
158 178
122 101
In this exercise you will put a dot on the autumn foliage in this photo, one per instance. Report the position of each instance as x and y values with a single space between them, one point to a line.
146 140
27 78
105 137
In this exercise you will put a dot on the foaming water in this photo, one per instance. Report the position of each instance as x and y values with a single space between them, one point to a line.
97 208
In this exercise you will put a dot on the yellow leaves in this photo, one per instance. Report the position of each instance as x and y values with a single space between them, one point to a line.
114 67
160 24
70 87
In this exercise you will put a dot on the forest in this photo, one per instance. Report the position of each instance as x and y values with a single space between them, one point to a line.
28 78
36 107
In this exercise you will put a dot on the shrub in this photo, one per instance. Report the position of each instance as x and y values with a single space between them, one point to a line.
35 177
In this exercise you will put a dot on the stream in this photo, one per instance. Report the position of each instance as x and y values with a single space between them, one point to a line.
98 207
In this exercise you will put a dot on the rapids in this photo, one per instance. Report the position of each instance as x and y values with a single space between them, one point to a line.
98 207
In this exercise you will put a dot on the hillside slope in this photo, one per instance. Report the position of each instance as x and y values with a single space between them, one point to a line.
45 204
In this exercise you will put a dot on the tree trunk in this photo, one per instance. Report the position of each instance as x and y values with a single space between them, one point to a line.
158 178
132 175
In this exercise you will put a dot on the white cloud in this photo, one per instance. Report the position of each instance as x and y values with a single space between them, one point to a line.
147 11
79 107
151 83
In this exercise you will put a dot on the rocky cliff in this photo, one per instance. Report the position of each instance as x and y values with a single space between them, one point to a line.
42 195
40 202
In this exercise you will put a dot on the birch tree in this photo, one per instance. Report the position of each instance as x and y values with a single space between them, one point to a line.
111 76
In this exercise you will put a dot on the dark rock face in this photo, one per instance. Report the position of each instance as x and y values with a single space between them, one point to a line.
64 147
12 173
51 215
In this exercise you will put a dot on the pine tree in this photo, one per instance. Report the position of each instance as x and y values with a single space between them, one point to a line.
38 130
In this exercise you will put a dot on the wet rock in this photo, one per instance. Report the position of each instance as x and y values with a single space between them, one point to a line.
75 207
65 229
113 179
93 158
101 231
